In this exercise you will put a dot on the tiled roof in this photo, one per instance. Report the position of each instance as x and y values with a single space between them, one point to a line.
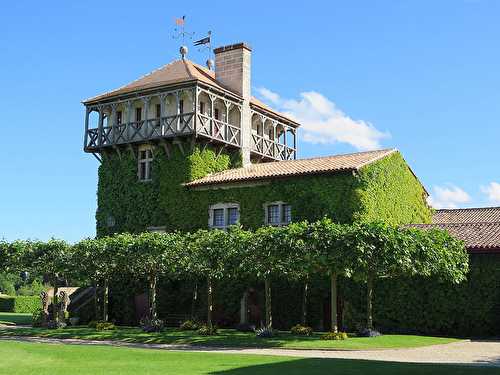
177 71
265 171
478 237
467 215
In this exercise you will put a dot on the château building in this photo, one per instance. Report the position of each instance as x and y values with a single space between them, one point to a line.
186 146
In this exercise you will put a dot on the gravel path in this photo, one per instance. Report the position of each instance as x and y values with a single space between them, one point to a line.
485 353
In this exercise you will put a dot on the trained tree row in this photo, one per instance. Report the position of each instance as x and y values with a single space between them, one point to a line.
363 251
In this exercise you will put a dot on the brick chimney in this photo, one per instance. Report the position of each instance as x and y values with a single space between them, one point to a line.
233 69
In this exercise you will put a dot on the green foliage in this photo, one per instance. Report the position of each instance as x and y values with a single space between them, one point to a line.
37 317
388 191
19 304
334 336
100 325
189 325
7 283
301 330
32 289
207 330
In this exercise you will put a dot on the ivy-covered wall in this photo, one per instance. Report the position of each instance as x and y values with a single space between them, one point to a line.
385 190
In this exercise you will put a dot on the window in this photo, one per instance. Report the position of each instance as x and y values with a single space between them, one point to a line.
202 108
118 117
278 213
271 133
273 214
138 114
223 215
216 110
181 106
145 163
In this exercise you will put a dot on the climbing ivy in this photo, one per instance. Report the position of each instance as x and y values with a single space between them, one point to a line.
385 190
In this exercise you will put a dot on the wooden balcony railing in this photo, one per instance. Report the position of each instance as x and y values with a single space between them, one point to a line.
164 127
218 130
140 131
268 148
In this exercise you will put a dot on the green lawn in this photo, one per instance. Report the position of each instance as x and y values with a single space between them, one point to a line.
14 318
231 338
52 359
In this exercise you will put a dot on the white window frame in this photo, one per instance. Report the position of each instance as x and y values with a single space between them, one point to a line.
225 207
147 162
281 208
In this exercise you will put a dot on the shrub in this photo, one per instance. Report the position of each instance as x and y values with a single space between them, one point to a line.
152 325
205 330
105 326
37 317
20 304
189 325
334 336
33 289
52 324
101 325
264 332
301 330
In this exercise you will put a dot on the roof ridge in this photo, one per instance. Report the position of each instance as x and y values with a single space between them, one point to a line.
467 208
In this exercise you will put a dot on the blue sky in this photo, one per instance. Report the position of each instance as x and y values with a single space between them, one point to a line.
422 76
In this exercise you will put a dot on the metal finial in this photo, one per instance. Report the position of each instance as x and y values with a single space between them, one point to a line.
210 64
183 51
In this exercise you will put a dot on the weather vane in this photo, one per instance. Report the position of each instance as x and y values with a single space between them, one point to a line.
180 32
206 44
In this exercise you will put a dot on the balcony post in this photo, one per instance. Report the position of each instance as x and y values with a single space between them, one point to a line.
145 102
226 121
285 131
195 109
162 98
129 119
86 135
295 144
178 111
113 121
99 128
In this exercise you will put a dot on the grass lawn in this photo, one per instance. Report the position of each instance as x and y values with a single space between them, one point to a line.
231 338
52 359
14 318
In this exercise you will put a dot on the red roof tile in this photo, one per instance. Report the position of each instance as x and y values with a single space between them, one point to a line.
467 215
478 237
264 171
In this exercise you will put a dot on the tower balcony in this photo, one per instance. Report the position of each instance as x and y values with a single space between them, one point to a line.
193 111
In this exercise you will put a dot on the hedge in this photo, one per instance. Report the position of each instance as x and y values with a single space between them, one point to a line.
19 304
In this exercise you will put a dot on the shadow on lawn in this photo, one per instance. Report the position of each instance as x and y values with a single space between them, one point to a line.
312 366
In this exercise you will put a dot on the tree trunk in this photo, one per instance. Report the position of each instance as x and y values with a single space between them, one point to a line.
152 297
269 312
194 301
333 301
105 301
304 302
55 302
96 303
369 299
209 302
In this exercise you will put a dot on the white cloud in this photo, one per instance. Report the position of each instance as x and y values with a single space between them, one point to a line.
492 191
323 122
448 197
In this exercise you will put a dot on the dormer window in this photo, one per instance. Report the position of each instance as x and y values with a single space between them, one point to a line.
278 213
223 215
145 165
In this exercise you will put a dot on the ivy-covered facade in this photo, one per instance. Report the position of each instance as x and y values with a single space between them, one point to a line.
385 190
